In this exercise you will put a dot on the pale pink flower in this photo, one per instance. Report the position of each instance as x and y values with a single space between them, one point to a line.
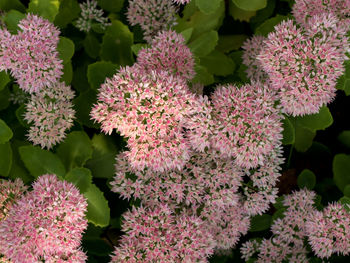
51 114
35 61
304 9
252 48
148 109
46 223
168 52
248 124
10 192
91 14
159 236
7 45
249 249
303 64
328 231
153 16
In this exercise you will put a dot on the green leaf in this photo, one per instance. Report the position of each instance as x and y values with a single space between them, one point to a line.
263 14
5 158
75 150
5 132
228 43
18 169
341 170
12 19
98 210
208 6
67 73
303 138
345 201
187 33
344 138
44 8
83 104
319 121
137 47
65 48
347 190
113 6
103 157
80 177
4 98
69 10
116 44
306 179
260 223
240 14
250 5
269 25
99 71
204 44
288 132
91 45
7 5
4 79
202 76
218 63
39 161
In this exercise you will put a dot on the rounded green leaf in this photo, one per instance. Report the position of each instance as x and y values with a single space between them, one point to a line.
250 5
204 44
347 190
5 132
202 76
65 48
240 14
69 10
5 159
98 210
306 179
18 169
344 138
260 223
113 6
288 132
39 161
12 19
269 25
99 71
44 8
75 150
228 43
208 6
7 5
4 79
67 73
341 170
83 104
218 63
116 44
80 177
91 45
345 201
319 121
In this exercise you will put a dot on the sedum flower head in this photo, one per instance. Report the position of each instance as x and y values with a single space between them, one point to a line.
159 236
7 45
148 109
328 231
153 16
303 64
35 61
51 113
168 52
248 124
90 14
45 224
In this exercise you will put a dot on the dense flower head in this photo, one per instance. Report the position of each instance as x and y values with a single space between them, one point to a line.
148 109
328 231
90 14
248 124
45 224
10 192
159 236
152 16
51 114
201 180
7 44
168 52
303 64
35 61
252 48
304 9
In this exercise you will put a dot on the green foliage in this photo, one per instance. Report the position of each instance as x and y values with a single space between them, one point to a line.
344 138
83 104
202 76
111 5
341 170
306 179
65 49
4 79
217 63
5 132
240 14
116 44
98 210
228 43
75 150
69 10
7 5
4 98
18 169
45 8
39 161
251 5
5 158
12 19
268 26
99 71
288 132
347 190
344 81
80 177
208 6
91 45
204 44
260 223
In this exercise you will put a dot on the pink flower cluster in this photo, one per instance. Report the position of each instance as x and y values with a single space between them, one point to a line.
183 2
51 113
45 224
157 236
89 14
327 232
31 54
153 16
